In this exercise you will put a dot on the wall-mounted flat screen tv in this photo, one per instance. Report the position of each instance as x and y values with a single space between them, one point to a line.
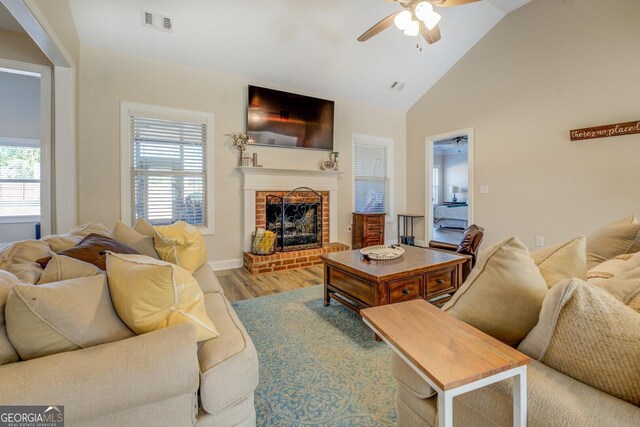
282 119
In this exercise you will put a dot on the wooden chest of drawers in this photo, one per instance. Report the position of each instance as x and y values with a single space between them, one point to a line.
367 229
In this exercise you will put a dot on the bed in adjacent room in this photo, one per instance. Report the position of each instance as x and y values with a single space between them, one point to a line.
451 216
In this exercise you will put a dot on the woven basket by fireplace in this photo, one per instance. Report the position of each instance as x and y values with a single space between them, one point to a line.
263 242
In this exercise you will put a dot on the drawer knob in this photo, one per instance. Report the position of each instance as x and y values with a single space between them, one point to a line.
440 282
405 291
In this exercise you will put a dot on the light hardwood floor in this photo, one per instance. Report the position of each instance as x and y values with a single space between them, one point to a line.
239 284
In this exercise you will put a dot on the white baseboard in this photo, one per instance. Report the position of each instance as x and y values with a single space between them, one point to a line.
419 242
391 242
226 264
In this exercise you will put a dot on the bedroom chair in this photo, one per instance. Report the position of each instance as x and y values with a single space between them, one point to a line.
469 245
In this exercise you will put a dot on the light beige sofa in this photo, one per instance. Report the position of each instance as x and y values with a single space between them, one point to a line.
162 378
554 399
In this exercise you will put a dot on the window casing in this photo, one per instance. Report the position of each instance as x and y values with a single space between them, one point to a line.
167 173
373 175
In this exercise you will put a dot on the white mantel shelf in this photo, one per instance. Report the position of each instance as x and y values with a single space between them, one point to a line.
272 179
250 170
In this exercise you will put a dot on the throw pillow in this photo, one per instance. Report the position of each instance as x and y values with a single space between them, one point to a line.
179 243
150 294
130 237
20 259
92 249
62 316
621 237
624 287
615 266
563 261
503 294
61 242
61 267
7 352
590 336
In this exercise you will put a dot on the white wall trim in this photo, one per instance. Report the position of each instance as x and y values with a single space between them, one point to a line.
428 204
378 140
226 264
127 109
46 156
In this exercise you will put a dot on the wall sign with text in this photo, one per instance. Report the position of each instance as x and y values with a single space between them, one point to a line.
607 131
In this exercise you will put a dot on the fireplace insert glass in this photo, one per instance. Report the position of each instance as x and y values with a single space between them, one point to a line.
296 218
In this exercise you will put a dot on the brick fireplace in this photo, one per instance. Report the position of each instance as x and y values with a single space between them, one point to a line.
261 185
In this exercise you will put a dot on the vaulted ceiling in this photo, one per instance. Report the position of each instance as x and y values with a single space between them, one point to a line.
307 46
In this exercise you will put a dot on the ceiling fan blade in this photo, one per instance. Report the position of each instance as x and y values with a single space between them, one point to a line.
378 28
431 36
451 3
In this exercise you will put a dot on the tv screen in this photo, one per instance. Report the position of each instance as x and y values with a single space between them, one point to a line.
282 119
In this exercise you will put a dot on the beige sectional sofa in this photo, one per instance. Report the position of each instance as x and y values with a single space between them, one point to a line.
162 378
554 398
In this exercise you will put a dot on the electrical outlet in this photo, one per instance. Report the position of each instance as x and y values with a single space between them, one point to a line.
540 241
349 228
484 189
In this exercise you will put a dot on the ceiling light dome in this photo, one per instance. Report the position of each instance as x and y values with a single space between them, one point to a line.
412 29
402 19
423 9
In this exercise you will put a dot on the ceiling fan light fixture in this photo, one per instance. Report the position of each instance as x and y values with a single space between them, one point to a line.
423 9
402 19
413 28
432 19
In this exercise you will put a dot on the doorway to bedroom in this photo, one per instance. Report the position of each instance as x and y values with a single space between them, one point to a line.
448 194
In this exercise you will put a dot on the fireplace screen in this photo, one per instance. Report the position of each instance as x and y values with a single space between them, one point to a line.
296 218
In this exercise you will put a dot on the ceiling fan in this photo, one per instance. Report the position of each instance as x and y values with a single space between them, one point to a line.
416 17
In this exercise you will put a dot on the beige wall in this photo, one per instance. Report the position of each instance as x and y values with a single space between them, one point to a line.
59 16
108 78
547 68
20 47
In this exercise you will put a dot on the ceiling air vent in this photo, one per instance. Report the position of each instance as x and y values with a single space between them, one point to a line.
156 21
397 86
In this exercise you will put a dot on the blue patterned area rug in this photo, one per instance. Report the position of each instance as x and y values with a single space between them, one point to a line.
319 366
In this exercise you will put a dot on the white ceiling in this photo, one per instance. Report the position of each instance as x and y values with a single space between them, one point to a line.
306 46
8 22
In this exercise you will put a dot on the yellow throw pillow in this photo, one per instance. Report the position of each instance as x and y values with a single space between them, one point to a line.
20 259
503 294
588 335
62 316
179 243
619 238
150 294
138 241
564 261
62 267
62 242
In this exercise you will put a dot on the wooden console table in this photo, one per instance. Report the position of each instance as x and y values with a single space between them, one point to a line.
419 273
450 355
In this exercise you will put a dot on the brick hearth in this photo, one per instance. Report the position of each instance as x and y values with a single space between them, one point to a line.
289 260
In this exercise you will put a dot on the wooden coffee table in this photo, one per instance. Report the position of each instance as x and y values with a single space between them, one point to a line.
418 273
450 355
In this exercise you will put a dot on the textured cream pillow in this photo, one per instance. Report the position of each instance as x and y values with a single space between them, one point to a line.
563 261
588 335
7 352
62 316
615 266
62 242
179 243
624 287
150 294
621 237
62 267
130 237
20 259
503 294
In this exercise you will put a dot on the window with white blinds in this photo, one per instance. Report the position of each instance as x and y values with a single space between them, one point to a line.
372 175
19 178
168 174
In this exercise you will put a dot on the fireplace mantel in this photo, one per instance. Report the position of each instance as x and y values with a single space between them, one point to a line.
271 179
